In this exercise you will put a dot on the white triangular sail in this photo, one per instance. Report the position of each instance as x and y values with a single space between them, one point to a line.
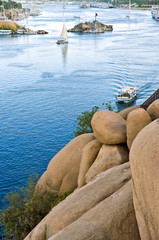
64 31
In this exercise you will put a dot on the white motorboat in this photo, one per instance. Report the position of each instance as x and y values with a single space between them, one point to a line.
126 95
5 32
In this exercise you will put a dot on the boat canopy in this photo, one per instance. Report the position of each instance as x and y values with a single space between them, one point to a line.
127 89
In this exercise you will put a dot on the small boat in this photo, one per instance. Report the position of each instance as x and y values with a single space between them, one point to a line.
35 11
63 34
155 13
20 31
126 95
5 32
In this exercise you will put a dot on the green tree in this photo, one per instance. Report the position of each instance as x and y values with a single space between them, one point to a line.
83 122
24 209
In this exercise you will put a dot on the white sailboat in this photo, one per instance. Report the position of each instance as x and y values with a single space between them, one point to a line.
129 9
63 34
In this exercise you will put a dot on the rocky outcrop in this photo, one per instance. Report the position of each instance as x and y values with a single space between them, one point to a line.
113 218
41 184
108 157
84 6
136 121
144 160
41 32
89 154
91 27
62 172
153 110
28 31
102 206
124 113
109 127
81 201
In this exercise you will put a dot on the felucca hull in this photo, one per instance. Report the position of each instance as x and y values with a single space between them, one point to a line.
61 42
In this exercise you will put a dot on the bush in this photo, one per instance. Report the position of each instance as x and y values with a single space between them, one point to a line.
24 209
83 122
10 5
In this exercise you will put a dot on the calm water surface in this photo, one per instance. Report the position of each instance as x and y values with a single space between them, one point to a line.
43 86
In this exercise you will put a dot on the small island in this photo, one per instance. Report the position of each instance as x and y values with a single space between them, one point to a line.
91 27
10 27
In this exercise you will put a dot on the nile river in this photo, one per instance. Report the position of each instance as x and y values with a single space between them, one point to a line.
44 86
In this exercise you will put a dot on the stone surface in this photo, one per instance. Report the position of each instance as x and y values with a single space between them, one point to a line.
41 32
84 6
91 27
41 184
62 171
109 127
153 110
108 157
81 201
89 154
144 160
124 113
85 27
136 120
113 218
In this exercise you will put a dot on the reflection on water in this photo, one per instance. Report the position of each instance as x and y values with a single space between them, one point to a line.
44 86
64 48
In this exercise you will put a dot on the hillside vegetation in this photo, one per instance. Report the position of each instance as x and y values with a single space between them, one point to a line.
8 25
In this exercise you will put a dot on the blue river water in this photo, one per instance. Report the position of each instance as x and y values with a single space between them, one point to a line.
45 86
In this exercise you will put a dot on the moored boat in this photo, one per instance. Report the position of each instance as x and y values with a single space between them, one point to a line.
155 13
5 32
126 95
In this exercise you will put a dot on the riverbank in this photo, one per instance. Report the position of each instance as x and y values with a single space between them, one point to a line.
17 29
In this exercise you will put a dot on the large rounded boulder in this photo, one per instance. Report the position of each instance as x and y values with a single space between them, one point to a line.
108 157
62 172
153 110
109 127
83 200
89 154
136 120
124 113
113 218
144 161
